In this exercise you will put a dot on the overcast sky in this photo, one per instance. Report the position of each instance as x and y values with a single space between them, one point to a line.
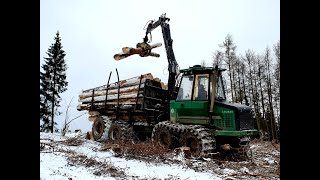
92 31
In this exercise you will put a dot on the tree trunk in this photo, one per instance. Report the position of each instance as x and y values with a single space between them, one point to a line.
239 84
230 77
249 59
234 84
53 98
256 89
244 86
261 92
272 121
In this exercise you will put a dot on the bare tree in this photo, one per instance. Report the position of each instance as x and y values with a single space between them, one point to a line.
66 126
217 57
229 48
243 69
203 63
254 80
66 122
276 76
234 80
261 76
268 61
276 49
238 90
249 59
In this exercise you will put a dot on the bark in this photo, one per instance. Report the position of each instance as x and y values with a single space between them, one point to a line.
261 89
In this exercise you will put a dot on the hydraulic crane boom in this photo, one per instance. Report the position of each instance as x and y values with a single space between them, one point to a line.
172 63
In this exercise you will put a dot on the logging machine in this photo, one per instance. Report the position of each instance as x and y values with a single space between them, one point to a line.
190 110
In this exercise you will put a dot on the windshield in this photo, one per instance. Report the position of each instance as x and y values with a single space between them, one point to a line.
185 88
201 88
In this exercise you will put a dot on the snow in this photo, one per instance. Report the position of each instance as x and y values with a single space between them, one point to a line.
133 81
244 170
269 161
228 171
103 92
54 165
61 160
111 97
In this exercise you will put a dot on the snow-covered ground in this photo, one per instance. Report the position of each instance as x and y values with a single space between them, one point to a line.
74 157
54 163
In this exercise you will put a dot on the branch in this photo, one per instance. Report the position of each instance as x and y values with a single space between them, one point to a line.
65 120
64 130
75 118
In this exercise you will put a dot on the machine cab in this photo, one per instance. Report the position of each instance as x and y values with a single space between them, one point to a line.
193 100
196 85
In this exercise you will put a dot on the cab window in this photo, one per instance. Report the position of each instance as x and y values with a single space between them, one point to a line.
185 90
201 87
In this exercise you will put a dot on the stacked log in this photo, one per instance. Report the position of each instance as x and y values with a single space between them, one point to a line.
131 93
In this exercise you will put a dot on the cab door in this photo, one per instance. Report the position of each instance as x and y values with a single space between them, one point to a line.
191 106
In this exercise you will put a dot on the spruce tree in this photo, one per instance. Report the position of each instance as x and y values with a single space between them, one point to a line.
52 84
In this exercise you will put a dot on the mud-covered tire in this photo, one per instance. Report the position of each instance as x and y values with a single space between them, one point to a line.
120 130
189 139
162 137
115 132
100 128
199 139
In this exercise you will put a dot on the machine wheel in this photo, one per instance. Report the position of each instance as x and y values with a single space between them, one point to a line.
199 139
115 132
100 128
189 139
120 130
162 136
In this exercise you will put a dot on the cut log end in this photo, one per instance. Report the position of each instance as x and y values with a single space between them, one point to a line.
89 135
117 57
92 118
126 49
120 56
226 147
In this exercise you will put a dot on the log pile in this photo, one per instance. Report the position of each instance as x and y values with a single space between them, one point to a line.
130 94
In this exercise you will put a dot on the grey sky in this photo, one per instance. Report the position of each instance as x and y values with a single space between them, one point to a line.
92 31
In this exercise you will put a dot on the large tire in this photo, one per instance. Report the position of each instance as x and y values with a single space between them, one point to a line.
162 137
119 130
198 139
115 132
100 128
189 139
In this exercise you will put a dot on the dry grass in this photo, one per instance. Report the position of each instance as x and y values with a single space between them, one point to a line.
265 162
75 141
99 168
141 150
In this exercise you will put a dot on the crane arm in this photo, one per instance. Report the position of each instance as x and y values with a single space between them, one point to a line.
172 63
